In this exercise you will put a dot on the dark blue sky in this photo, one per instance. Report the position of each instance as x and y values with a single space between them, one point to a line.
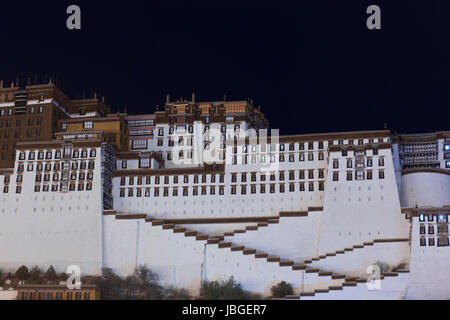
313 66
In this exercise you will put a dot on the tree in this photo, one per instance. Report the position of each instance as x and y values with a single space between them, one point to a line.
22 273
35 274
282 290
145 284
50 274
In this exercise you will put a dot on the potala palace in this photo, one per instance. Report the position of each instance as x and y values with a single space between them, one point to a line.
204 191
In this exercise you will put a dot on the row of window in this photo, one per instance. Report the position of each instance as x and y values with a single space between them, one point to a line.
55 187
141 123
175 179
431 218
282 175
441 242
443 228
49 155
358 175
302 174
31 122
64 177
272 158
31 110
359 162
141 132
82 165
270 188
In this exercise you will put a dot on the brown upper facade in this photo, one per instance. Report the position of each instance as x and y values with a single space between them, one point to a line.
183 112
34 112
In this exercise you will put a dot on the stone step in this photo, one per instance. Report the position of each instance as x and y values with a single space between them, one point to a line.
263 224
307 294
168 226
224 244
190 233
402 270
251 228
179 230
299 267
312 270
390 274
237 248
335 288
286 263
261 255
349 284
321 290
273 259
249 251
202 237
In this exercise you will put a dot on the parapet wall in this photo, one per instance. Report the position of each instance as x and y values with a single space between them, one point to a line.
425 188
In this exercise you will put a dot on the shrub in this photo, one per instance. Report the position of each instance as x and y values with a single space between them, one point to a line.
172 293
384 267
63 276
400 266
224 290
281 290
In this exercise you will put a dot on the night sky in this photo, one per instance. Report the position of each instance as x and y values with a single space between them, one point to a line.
313 66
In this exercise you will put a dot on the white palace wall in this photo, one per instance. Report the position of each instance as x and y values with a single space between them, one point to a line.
360 210
425 189
51 228
176 259
293 238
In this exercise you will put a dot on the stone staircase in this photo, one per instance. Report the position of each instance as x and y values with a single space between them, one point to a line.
316 280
